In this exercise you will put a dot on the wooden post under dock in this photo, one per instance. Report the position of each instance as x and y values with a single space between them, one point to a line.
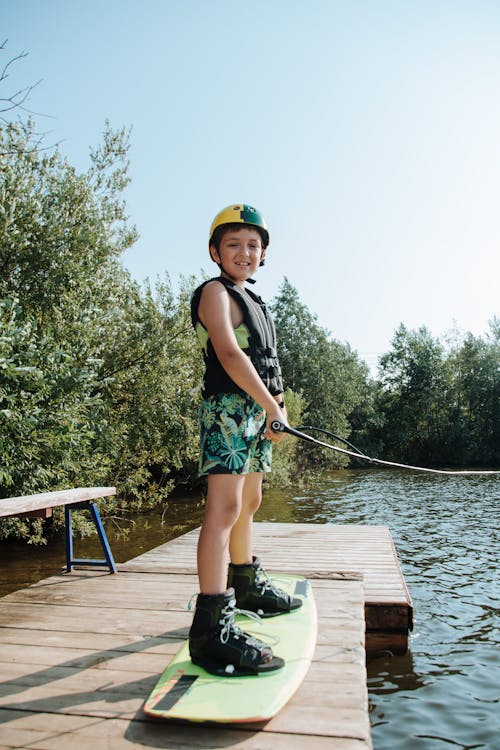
80 651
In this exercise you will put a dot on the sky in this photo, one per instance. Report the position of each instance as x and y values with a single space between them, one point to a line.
367 132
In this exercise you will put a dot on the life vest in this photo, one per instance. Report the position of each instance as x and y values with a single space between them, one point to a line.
256 336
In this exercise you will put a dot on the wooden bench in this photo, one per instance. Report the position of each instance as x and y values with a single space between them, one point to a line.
80 498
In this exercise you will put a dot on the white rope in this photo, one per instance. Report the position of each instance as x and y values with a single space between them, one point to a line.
379 461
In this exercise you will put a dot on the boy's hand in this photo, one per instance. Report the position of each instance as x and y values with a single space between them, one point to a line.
276 415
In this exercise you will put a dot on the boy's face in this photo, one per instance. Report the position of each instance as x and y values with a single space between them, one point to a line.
240 253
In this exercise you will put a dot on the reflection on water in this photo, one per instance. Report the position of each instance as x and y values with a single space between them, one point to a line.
444 692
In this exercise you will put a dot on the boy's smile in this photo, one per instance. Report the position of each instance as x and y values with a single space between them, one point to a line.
240 253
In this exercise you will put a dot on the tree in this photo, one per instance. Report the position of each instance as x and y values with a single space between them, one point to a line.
90 364
326 373
97 374
12 102
473 368
150 374
413 398
58 247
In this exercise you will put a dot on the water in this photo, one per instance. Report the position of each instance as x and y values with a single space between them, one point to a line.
444 693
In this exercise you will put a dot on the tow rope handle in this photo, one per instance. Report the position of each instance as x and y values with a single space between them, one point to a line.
278 426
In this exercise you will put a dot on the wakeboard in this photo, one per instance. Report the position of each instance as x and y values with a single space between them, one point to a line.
186 692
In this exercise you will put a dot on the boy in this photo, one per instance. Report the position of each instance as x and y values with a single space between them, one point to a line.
243 394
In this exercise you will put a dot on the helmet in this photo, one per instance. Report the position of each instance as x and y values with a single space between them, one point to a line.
240 214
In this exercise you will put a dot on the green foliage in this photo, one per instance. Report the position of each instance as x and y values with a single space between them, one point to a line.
367 421
96 374
440 407
286 469
413 383
150 373
47 406
472 370
327 374
58 248
431 405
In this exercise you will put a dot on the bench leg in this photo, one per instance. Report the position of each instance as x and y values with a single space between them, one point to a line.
103 538
69 538
109 562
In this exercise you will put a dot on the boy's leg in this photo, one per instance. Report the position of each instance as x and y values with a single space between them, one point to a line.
253 589
222 510
216 643
241 540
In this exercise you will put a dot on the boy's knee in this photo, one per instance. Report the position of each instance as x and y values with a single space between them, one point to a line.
254 503
232 512
224 513
252 493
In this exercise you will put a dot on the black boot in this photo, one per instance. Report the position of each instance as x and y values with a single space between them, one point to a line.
218 645
256 592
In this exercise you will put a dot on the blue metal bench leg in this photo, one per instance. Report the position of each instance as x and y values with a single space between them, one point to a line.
103 538
69 538
109 562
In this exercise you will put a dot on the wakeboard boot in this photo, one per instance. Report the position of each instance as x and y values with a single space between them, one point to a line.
255 591
218 645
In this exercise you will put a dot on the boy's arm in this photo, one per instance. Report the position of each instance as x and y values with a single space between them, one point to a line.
215 314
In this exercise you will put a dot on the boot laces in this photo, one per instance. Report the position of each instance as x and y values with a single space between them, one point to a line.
228 625
264 584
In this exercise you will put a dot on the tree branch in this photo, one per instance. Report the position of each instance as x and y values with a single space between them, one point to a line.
16 100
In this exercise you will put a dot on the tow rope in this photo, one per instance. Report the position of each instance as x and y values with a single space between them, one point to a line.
278 426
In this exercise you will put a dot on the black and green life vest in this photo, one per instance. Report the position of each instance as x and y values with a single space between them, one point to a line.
256 336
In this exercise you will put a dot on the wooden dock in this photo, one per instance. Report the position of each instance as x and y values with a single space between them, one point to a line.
80 652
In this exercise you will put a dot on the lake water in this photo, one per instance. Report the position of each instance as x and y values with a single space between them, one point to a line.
444 693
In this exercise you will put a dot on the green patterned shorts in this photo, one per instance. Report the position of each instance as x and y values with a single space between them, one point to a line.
231 436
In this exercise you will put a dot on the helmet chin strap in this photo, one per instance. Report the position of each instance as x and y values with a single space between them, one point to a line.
249 281
254 281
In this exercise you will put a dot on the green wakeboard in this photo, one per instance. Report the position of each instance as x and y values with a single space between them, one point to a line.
186 692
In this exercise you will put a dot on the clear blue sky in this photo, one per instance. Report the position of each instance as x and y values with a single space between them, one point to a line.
366 131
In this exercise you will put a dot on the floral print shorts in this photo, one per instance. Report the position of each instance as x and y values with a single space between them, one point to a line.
231 436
